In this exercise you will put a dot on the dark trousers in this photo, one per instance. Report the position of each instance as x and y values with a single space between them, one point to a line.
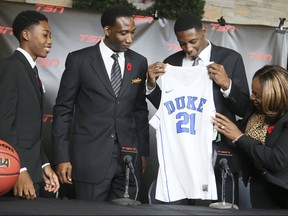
112 187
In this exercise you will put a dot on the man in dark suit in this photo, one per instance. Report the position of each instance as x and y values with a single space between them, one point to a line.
230 87
93 122
21 104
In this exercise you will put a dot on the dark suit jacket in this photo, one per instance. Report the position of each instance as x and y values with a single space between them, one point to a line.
86 97
21 112
237 101
271 157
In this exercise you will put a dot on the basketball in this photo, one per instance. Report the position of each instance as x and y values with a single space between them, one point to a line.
9 167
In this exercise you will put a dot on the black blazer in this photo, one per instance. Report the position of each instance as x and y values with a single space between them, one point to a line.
235 104
21 113
271 157
86 97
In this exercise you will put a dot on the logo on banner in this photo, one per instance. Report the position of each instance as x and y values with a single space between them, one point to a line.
90 38
260 56
217 27
46 62
49 8
173 47
6 30
143 19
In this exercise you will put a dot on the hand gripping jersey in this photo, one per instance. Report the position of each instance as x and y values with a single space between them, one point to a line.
184 133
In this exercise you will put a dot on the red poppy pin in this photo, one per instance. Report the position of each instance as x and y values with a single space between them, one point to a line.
129 66
270 128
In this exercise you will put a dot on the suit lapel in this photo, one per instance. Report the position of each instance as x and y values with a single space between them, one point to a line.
36 84
128 74
31 74
98 66
213 56
217 95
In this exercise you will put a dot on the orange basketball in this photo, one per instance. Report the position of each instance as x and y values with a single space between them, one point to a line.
9 167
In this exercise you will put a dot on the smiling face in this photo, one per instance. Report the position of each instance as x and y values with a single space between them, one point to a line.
256 95
37 40
192 41
119 37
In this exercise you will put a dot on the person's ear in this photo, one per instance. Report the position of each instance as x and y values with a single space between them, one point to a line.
107 31
25 35
204 30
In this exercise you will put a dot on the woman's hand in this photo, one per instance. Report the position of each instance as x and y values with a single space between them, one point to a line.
226 127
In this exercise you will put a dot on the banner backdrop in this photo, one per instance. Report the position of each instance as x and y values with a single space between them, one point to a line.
75 29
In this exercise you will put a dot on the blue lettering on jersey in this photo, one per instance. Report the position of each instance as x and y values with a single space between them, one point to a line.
186 124
191 103
186 121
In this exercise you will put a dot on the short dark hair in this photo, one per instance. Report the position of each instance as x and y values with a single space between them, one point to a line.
186 22
110 15
26 20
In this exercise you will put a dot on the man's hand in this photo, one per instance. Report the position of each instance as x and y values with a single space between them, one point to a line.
50 179
218 73
64 171
24 187
154 71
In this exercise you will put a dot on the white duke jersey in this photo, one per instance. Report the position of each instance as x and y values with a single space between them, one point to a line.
184 133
